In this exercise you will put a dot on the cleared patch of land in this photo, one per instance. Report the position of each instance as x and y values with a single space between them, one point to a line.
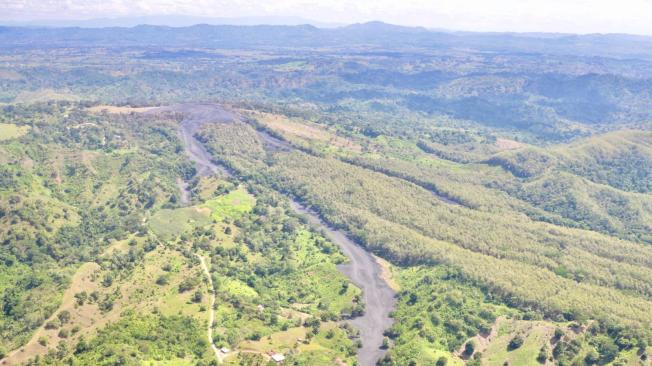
233 204
45 95
507 144
83 316
303 130
11 131
87 300
10 75
171 222
118 110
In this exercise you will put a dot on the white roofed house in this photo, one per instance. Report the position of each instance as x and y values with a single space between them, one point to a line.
278 357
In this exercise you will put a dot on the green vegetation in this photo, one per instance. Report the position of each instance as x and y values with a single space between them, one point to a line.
172 222
511 192
66 194
231 205
272 279
579 274
137 338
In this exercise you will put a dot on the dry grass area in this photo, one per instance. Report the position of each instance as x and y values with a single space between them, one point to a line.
87 317
506 144
387 273
536 333
277 342
118 110
45 95
137 291
302 130
10 131
10 75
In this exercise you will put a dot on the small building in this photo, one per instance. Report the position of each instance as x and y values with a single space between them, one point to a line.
277 357
260 308
225 350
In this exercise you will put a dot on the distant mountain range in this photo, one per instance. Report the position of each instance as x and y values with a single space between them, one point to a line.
372 36
171 21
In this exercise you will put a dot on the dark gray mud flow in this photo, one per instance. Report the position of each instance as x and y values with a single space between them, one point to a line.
195 116
365 272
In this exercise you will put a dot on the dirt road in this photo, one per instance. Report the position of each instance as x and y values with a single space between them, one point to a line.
211 317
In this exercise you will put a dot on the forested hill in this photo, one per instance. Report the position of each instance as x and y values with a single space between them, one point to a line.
372 34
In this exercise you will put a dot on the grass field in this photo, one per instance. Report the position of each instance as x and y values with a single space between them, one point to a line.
278 342
231 205
304 132
11 131
45 95
171 222
534 333
118 110
175 362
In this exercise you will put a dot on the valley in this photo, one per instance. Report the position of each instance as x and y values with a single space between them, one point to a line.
362 269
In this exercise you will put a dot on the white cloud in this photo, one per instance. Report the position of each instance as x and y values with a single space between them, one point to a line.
582 16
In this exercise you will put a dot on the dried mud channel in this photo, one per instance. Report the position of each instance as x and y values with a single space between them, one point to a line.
362 269
365 272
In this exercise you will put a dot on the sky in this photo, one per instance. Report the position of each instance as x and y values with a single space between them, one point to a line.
568 16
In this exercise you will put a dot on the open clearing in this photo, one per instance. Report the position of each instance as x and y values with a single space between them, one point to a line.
506 144
10 131
232 205
535 334
45 95
137 291
170 222
118 110
304 130
86 317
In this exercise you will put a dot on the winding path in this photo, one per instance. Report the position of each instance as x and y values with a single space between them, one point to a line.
211 317
363 270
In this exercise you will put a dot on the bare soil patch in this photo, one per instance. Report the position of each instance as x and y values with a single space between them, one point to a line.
506 144
118 110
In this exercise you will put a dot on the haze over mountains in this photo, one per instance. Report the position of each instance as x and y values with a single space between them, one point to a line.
213 194
171 21
370 35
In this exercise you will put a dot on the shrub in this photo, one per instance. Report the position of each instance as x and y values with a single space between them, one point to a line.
53 324
162 280
442 361
469 348
64 316
187 284
108 280
543 355
81 297
515 343
197 296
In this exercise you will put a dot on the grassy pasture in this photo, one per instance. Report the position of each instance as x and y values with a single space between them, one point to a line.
171 222
231 205
305 133
535 334
10 131
45 95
